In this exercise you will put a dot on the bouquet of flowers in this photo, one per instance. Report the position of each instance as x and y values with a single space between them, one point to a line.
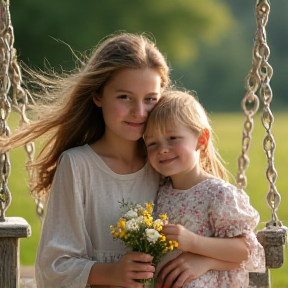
137 229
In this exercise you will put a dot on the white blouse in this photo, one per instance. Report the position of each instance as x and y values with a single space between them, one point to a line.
83 203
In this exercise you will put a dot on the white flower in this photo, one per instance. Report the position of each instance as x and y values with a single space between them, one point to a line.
152 235
132 224
140 219
130 214
139 207
158 222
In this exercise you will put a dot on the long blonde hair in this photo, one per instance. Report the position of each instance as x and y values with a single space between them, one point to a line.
183 108
71 118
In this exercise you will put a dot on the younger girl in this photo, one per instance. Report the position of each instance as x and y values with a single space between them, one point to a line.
196 196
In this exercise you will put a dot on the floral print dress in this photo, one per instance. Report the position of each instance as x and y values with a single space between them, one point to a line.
215 208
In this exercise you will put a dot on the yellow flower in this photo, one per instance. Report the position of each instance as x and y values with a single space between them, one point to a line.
173 244
122 234
121 223
149 207
158 225
137 229
163 217
114 231
148 220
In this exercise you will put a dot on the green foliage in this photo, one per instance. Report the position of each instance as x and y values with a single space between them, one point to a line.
206 42
178 26
228 128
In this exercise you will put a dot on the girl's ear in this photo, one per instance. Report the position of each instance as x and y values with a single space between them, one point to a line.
97 100
203 139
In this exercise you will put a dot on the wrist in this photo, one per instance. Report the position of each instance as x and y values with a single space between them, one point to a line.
193 240
213 263
100 274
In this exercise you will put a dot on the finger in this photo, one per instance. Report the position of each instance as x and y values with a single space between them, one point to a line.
133 284
172 278
139 256
172 237
166 269
169 266
142 275
142 267
189 280
169 225
184 278
169 228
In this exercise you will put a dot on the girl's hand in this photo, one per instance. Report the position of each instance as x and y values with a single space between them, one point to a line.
179 233
183 269
133 265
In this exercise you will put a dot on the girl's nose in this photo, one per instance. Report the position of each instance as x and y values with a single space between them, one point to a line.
138 109
163 149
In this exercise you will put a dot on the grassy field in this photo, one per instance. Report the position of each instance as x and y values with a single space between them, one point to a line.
228 128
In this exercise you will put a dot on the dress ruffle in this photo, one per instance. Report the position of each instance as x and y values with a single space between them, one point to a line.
232 216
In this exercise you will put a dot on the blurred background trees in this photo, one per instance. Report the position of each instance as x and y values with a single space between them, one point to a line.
208 43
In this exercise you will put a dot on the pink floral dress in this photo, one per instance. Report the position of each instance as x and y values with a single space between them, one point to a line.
215 208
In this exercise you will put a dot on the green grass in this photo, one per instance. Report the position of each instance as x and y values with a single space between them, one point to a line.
228 128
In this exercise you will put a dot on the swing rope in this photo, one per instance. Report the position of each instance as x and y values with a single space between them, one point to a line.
11 93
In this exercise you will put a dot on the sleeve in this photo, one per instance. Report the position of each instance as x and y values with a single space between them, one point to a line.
62 259
231 215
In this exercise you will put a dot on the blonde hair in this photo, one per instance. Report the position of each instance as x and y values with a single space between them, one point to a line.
183 108
71 118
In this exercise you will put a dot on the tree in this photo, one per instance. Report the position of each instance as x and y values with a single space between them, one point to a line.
178 26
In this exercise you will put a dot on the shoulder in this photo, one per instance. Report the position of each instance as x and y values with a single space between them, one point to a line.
226 193
77 155
76 152
219 187
77 160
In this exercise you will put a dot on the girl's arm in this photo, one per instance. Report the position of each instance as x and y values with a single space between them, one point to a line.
134 265
187 267
225 249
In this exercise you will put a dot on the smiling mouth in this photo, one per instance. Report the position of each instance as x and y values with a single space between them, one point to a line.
134 124
167 161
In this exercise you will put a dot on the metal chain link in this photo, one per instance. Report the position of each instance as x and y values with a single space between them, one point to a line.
259 78
265 71
19 95
250 105
5 107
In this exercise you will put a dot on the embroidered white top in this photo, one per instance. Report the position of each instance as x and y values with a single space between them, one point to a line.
83 203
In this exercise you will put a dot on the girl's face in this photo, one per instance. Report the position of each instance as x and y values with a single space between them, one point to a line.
173 153
126 101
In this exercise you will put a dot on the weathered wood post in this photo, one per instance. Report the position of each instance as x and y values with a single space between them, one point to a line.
273 240
11 228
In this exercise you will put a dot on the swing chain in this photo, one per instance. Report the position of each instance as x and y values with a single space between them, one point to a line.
250 105
19 95
5 108
259 78
273 198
